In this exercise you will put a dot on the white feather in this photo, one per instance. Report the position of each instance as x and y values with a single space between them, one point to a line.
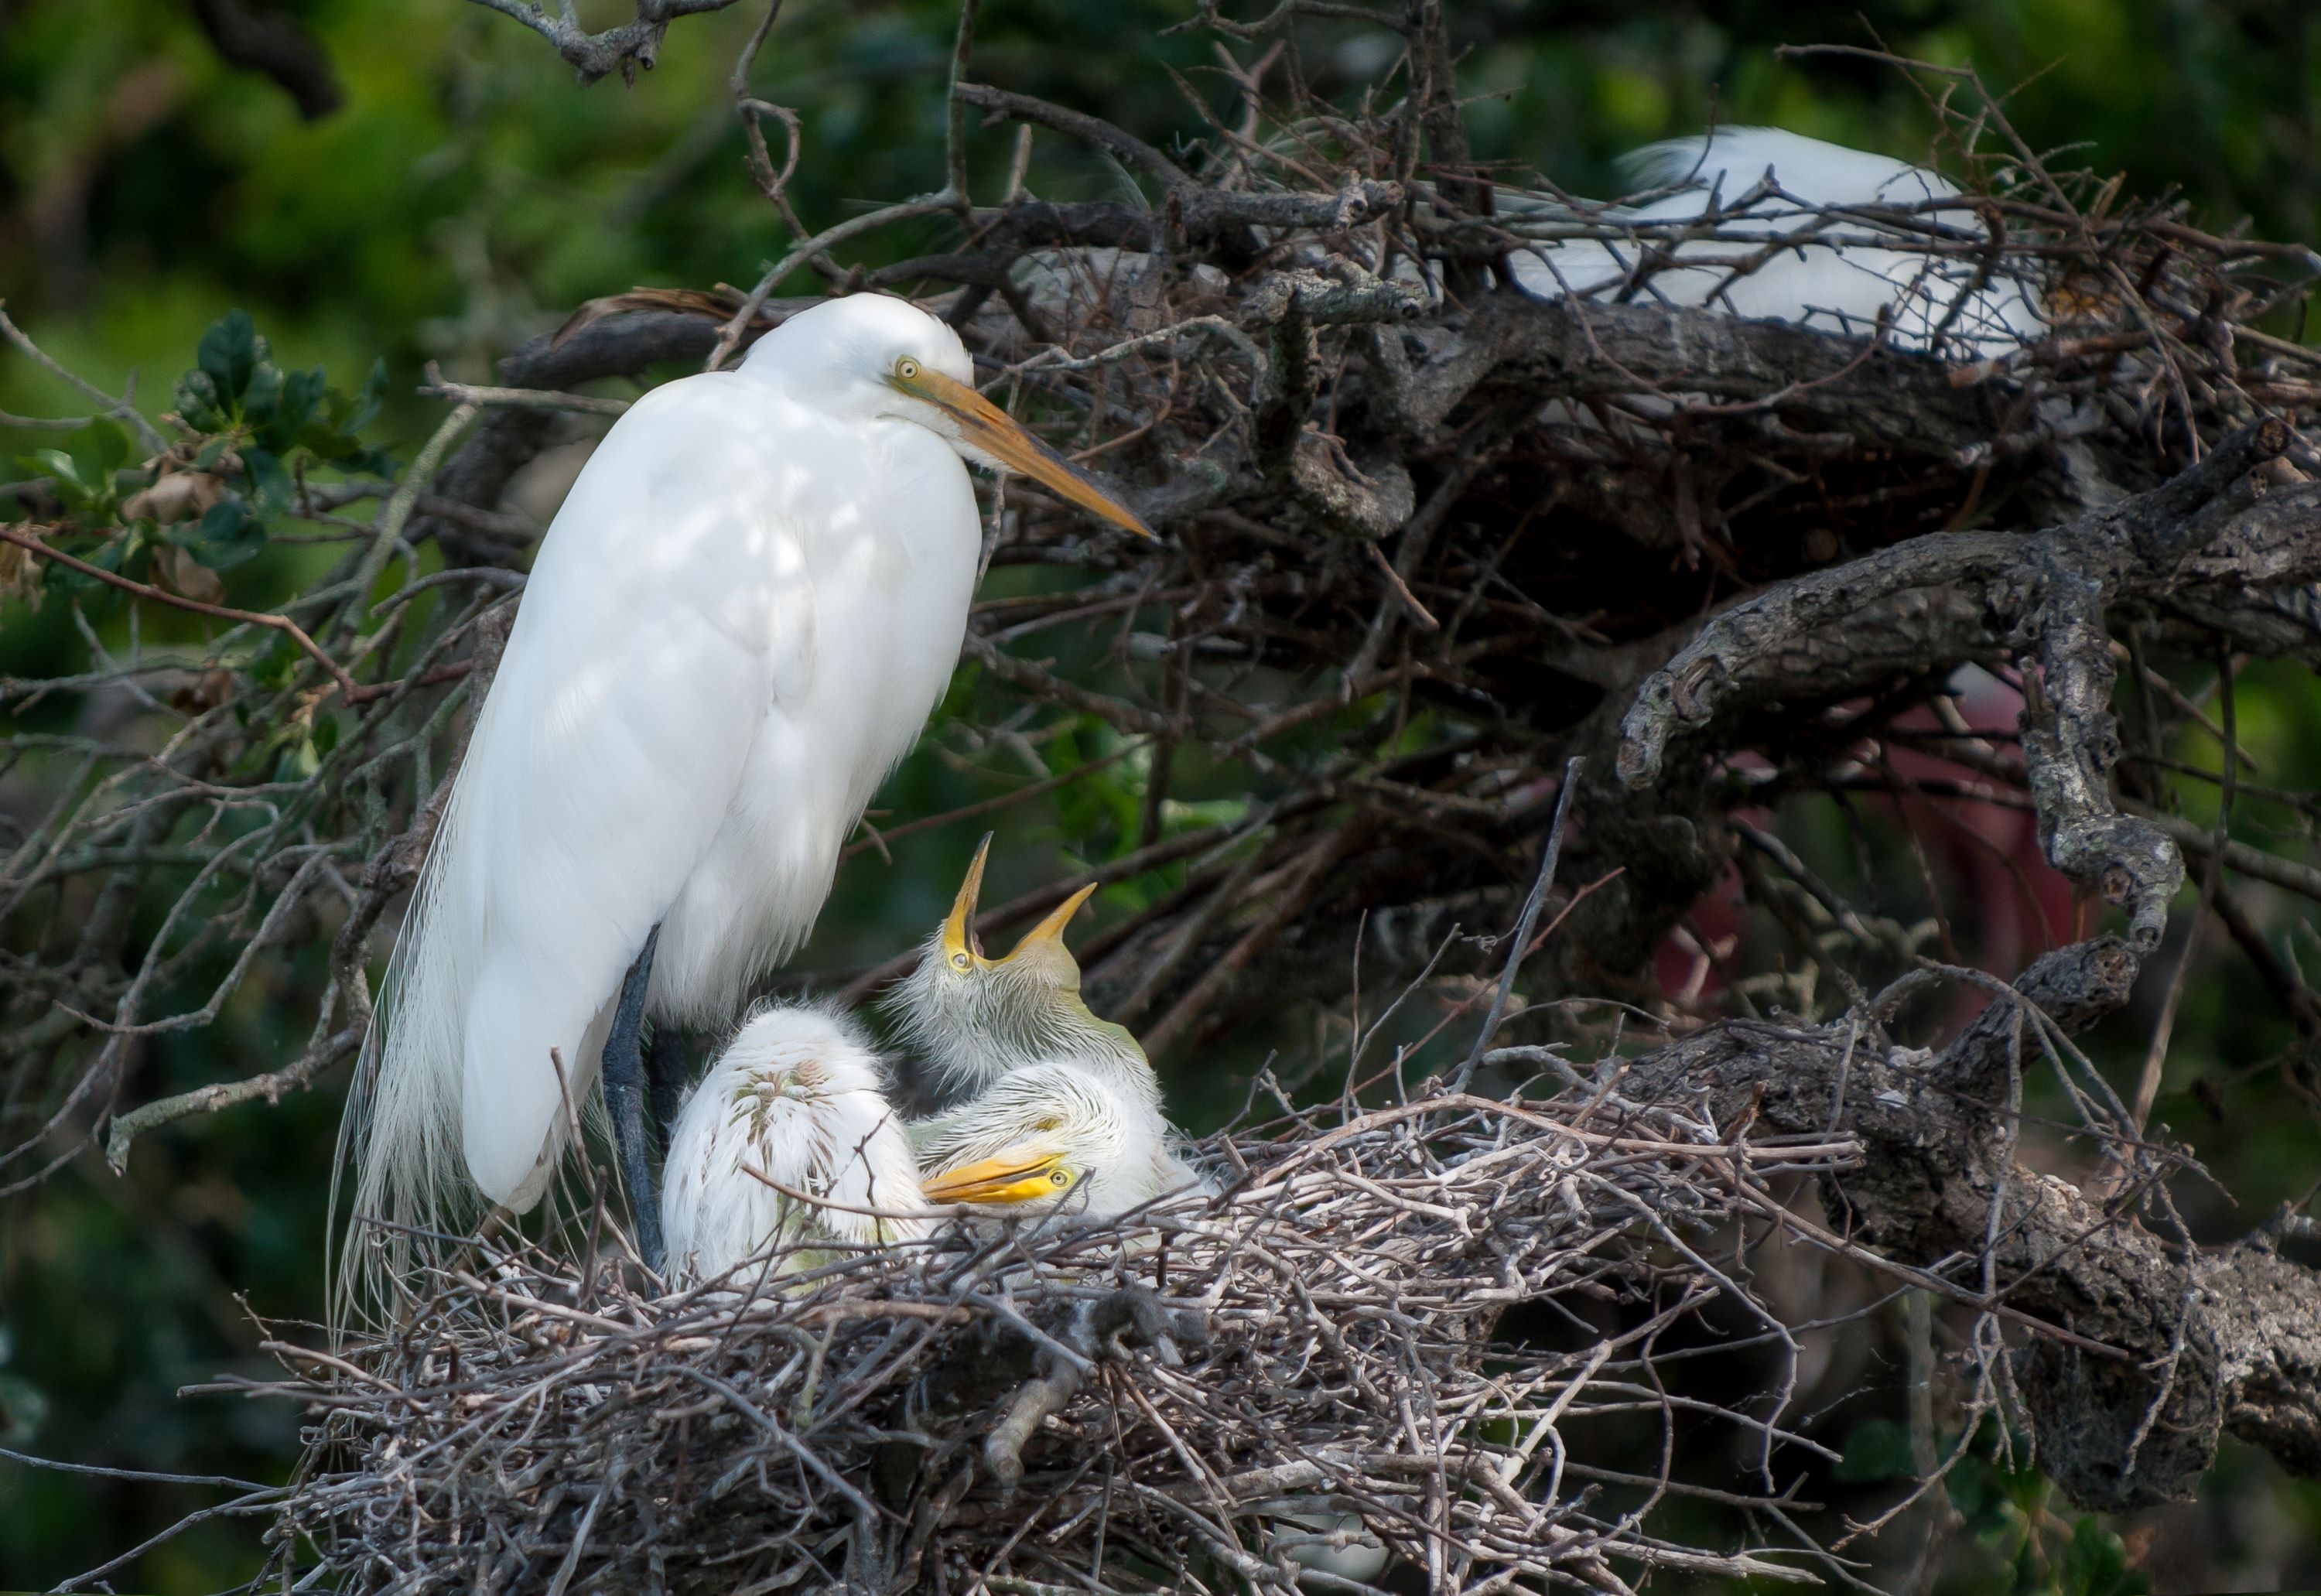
1833 288
734 629
1105 1129
800 1097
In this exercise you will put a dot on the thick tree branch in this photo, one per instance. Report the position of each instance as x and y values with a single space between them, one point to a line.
1944 600
1938 1148
266 40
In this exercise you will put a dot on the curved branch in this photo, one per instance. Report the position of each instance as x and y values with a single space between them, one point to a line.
2242 1352
622 50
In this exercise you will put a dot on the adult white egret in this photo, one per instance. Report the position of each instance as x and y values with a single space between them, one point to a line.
734 629
1956 302
1066 1111
799 1099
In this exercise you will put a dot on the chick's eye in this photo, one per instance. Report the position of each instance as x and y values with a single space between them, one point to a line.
906 367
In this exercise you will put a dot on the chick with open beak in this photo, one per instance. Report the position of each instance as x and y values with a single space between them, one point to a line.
1065 1110
972 1019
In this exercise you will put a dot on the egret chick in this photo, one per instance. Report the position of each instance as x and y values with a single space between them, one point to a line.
1048 1137
799 1099
1066 1111
973 1019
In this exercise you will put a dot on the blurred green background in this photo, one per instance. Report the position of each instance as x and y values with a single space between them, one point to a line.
466 193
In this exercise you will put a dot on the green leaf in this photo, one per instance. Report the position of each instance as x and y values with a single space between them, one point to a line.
198 403
365 462
226 535
293 422
52 462
260 400
332 422
97 598
364 410
229 352
107 441
272 490
84 469
2095 1564
299 761
277 667
1878 1449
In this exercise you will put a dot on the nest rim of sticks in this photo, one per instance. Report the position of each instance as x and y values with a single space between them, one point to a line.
1199 1386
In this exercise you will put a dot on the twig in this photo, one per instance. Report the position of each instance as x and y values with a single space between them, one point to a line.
282 624
1532 903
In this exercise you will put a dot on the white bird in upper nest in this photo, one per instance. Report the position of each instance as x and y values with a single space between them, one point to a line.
1954 303
734 629
788 1141
1065 1110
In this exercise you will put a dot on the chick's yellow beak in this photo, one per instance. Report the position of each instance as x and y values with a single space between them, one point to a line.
1051 929
1016 1175
960 949
1004 438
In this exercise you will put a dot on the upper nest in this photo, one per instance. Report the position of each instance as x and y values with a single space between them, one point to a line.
1197 1397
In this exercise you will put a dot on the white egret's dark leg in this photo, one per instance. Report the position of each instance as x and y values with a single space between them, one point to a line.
665 1074
624 1099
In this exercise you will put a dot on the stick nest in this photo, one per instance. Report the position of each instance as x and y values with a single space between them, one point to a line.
1142 1401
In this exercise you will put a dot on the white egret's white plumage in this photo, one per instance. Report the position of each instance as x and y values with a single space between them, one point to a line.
734 629
1315 1535
799 1096
1830 286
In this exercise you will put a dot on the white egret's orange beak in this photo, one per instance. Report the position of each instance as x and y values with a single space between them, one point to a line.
1020 1174
1004 438
1051 929
960 949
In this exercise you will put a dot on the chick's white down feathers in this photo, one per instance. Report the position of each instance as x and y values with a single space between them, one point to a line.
734 629
1105 1132
799 1098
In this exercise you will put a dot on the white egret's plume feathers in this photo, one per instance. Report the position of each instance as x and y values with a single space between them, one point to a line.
1952 303
799 1098
734 629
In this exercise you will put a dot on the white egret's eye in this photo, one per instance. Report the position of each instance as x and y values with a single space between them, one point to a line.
959 960
906 369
